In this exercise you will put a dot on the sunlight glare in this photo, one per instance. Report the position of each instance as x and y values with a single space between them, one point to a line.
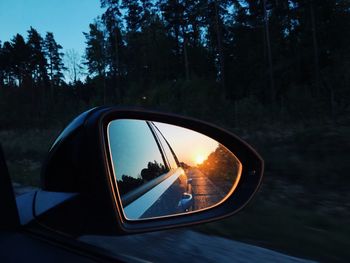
199 159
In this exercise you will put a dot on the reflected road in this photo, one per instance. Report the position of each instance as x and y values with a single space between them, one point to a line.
205 192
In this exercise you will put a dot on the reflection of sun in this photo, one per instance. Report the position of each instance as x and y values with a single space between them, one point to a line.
199 159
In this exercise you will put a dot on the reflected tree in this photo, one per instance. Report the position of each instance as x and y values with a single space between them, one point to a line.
129 183
221 166
152 171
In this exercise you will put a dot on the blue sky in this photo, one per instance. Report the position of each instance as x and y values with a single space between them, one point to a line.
67 19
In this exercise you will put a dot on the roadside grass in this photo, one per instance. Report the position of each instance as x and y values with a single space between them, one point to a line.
289 229
25 172
25 150
303 205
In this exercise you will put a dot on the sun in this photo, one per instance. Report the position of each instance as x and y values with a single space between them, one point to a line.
199 159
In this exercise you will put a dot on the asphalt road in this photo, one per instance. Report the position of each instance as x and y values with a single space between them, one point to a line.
205 192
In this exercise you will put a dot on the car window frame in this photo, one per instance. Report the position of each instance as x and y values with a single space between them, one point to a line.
160 147
134 194
153 126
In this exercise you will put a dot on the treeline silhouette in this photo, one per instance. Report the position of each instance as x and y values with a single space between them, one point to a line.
222 168
238 62
152 171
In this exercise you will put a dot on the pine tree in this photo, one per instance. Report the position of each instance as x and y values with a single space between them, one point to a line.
111 20
216 35
133 18
172 12
38 62
7 64
20 54
54 58
95 54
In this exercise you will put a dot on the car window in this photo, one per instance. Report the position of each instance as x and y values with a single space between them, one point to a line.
136 156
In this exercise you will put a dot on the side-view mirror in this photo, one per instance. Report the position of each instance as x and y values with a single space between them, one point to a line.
151 183
129 171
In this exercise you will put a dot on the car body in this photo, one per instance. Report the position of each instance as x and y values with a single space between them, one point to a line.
160 187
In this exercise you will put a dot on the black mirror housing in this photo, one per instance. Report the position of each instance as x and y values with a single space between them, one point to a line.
79 162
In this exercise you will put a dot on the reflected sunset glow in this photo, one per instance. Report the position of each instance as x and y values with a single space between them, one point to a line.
190 146
199 159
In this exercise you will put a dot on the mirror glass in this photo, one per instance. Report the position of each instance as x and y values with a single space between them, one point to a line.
163 169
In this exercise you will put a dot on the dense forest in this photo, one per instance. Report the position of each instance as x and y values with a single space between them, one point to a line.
239 62
275 72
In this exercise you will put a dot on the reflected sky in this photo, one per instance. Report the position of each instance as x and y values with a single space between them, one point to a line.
132 147
188 145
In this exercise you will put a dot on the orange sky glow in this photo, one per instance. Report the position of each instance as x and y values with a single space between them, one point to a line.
189 146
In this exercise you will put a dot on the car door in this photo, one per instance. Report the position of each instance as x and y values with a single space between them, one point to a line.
183 185
151 184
